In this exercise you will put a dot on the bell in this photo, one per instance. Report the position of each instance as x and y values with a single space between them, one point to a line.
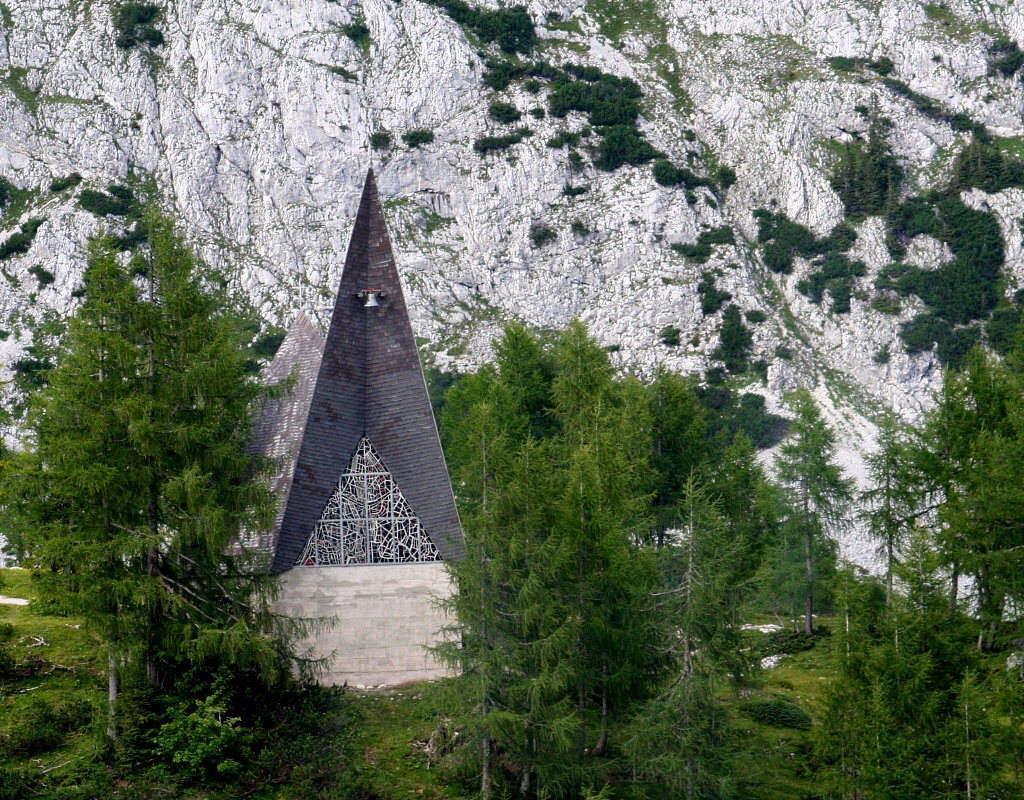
371 300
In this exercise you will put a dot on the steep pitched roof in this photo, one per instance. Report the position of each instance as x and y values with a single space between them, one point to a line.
370 384
280 423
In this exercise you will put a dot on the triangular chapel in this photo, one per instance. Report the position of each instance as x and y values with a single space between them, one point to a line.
366 512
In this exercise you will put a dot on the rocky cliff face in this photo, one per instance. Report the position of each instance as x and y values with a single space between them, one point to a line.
252 123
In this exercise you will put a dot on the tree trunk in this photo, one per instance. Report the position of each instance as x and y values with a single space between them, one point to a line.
485 778
113 689
809 562
602 740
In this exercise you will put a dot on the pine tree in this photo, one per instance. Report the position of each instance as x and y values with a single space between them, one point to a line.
137 477
819 491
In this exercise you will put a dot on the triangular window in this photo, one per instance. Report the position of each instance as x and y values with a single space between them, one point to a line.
367 520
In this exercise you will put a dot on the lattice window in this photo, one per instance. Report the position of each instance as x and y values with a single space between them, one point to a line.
367 520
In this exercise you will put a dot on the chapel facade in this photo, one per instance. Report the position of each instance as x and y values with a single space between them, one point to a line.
366 516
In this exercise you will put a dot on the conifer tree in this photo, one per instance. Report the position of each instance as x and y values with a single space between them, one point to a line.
137 478
818 489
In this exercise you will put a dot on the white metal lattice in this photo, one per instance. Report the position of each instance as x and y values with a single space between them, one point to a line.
367 520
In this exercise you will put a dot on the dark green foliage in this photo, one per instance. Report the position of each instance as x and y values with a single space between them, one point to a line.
67 182
786 642
131 239
505 113
8 192
579 228
729 414
538 113
418 136
135 24
883 355
882 66
380 140
701 250
843 63
533 86
755 316
711 297
959 292
1005 58
541 234
982 165
736 341
726 177
487 144
623 144
778 713
1001 328
866 175
575 191
608 100
933 109
665 172
266 346
20 242
783 352
783 239
118 201
564 138
358 33
42 275
671 336
511 28
836 274
44 725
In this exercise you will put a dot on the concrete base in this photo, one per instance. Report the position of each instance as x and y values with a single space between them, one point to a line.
384 619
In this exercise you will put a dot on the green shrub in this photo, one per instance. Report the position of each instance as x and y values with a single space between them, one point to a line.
783 352
511 28
418 136
505 113
42 275
711 297
755 316
1001 328
564 138
138 234
110 203
358 33
726 177
541 234
380 140
777 713
882 66
623 144
8 665
134 23
579 228
42 725
844 64
786 641
665 173
729 413
883 356
835 273
486 144
736 341
20 242
575 191
886 304
532 86
8 191
67 182
538 113
201 740
6 630
698 252
1005 58
671 336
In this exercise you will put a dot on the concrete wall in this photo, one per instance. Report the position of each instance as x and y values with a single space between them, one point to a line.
384 617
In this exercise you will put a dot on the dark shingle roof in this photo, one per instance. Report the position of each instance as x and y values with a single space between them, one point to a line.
280 423
370 384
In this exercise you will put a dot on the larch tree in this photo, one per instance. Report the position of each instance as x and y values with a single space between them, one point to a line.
820 494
